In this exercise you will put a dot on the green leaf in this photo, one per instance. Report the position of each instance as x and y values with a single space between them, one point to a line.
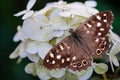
85 74
101 68
57 73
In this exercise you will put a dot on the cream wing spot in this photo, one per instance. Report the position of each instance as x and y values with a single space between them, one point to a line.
85 28
47 60
61 47
104 14
58 56
53 62
57 51
105 20
74 58
68 59
102 29
68 47
103 38
51 55
97 40
63 60
98 17
87 31
99 33
89 25
98 24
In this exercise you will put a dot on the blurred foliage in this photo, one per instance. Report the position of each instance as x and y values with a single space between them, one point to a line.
9 69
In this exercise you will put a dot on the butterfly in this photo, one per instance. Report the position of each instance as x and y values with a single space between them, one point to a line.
89 40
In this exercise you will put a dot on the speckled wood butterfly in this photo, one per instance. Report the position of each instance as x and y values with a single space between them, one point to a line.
88 41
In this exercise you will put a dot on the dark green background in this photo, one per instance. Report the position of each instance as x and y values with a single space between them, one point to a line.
9 69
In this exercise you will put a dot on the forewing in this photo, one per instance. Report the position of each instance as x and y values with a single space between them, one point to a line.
94 33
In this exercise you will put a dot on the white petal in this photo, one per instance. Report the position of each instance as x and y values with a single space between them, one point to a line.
77 9
19 35
15 53
85 74
34 30
115 49
22 51
20 13
81 9
59 33
57 22
43 73
34 57
115 60
16 37
44 10
73 72
30 68
31 47
91 3
41 19
57 73
91 11
114 36
30 4
101 68
76 21
27 14
66 33
65 14
43 48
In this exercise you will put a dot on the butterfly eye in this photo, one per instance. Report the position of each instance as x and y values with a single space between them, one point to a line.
79 64
84 62
104 42
74 65
102 46
104 17
49 60
98 51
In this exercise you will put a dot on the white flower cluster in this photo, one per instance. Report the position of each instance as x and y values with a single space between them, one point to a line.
44 28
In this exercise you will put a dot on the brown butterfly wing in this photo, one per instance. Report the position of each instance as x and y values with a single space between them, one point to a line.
80 60
94 33
67 53
75 51
58 55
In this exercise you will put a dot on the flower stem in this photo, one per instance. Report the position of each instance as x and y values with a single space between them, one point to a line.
104 77
117 70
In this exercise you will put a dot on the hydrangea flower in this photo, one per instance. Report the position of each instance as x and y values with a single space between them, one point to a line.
44 28
27 13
